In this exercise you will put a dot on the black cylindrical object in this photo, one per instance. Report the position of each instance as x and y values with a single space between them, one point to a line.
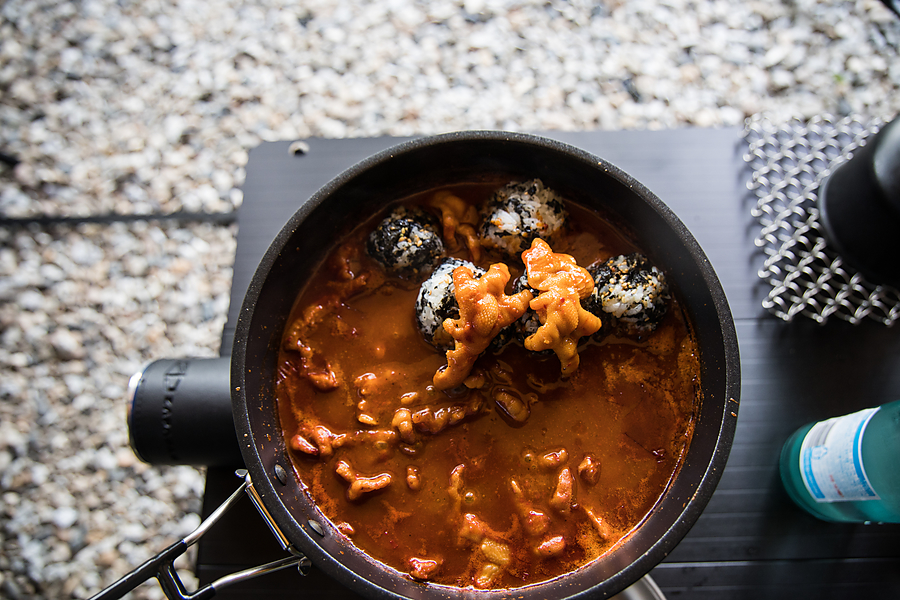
180 413
859 208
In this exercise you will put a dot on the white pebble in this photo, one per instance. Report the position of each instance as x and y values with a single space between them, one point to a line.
64 517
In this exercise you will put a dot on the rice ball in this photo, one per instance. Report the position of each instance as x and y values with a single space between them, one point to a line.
630 291
528 323
520 212
407 242
436 302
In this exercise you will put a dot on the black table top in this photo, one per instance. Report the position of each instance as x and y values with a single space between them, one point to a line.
751 541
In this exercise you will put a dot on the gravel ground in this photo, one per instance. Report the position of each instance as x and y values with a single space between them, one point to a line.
151 107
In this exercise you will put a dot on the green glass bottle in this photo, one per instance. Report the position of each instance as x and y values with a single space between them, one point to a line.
847 468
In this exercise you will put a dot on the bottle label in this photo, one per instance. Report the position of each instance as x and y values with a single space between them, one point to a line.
831 459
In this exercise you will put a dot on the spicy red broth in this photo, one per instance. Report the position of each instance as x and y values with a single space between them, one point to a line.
472 497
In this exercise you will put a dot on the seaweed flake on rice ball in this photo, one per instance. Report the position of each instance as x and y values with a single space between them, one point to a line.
520 212
436 302
406 242
631 291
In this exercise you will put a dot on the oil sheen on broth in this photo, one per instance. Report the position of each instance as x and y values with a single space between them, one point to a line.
519 475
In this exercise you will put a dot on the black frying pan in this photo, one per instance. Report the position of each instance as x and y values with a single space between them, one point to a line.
300 247
424 164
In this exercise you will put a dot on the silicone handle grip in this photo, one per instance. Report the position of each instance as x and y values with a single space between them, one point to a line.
180 413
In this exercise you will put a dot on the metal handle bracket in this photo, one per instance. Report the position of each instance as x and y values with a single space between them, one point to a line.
162 567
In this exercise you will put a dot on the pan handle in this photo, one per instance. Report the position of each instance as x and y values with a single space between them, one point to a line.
155 567
161 566
179 413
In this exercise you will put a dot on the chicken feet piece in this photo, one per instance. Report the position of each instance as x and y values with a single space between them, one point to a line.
484 309
562 284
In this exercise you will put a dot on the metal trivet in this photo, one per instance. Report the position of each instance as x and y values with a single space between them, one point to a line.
789 161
